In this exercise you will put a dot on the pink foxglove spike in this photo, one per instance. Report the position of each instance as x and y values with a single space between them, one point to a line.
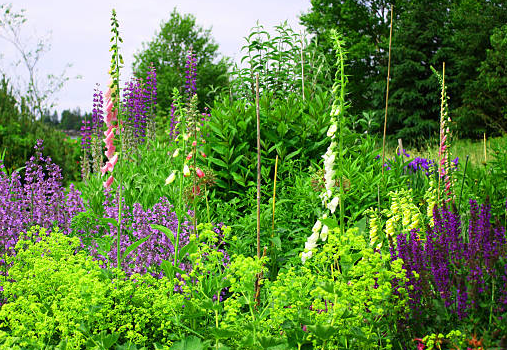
104 169
109 138
110 152
109 128
109 106
109 181
113 160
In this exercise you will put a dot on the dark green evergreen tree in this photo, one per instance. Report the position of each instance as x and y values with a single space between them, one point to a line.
418 44
364 25
485 98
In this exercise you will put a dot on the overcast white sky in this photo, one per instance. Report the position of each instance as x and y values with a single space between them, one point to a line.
80 32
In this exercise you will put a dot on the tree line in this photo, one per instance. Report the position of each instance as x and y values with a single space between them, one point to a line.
470 36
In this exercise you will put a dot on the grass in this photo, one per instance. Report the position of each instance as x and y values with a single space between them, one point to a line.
459 148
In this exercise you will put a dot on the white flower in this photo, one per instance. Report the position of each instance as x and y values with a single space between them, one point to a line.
335 110
175 154
317 226
312 241
332 130
306 255
186 171
171 178
323 233
333 204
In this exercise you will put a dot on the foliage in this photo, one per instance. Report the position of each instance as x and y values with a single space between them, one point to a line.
364 25
59 296
19 132
424 33
290 128
476 294
36 198
285 62
485 97
167 53
37 92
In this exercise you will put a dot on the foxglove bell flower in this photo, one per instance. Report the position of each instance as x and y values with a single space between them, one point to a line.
110 117
170 179
186 170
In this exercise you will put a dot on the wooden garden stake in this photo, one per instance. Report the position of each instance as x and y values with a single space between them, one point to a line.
485 152
387 93
400 146
259 276
302 72
258 168
274 196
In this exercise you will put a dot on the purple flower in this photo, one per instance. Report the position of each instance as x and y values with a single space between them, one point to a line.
36 199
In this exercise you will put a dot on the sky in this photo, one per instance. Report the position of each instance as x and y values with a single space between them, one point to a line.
79 33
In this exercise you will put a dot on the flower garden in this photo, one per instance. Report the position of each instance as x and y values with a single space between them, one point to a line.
265 222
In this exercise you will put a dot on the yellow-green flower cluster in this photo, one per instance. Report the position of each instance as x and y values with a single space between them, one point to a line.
430 197
403 215
374 227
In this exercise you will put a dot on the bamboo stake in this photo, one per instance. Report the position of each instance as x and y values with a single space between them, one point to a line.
302 69
387 93
485 151
258 168
259 276
274 196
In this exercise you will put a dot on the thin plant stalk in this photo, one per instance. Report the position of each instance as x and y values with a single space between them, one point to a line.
258 167
274 197
180 195
194 175
207 203
115 69
302 71
257 281
387 93
340 136
485 150
462 183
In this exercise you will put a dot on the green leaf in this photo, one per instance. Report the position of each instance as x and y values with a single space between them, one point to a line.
222 333
218 162
109 221
322 331
189 343
277 242
164 230
134 246
190 248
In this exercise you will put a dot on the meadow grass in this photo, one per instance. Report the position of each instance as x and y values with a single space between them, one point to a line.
459 148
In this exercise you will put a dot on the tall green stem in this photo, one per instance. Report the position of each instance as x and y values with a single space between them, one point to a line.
340 133
180 195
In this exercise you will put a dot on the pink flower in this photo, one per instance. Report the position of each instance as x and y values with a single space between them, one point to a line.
189 156
110 151
109 106
108 183
104 169
199 172
194 143
109 137
203 154
113 160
